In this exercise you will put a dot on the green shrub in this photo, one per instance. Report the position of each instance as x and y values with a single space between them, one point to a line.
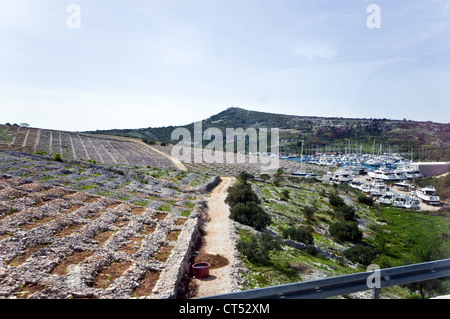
346 231
309 212
299 234
363 199
149 141
57 157
244 176
285 195
250 214
40 152
336 200
345 212
241 193
363 254
257 248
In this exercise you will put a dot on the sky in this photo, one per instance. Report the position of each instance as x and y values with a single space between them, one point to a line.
107 64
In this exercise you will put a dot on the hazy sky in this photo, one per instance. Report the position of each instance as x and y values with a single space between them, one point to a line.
141 63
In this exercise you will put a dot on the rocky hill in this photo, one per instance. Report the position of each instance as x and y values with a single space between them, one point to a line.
426 140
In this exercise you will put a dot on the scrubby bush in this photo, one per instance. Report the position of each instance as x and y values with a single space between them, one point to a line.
336 200
363 199
345 212
257 248
40 152
346 231
309 212
285 195
244 176
57 157
359 253
303 235
149 141
250 214
241 193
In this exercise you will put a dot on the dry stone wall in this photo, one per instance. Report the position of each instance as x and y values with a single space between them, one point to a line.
61 239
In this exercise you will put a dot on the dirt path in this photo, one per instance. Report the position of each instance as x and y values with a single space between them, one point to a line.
174 160
218 241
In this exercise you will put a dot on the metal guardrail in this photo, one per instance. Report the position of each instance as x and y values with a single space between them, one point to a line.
340 285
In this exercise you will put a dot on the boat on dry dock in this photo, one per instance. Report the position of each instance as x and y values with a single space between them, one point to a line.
428 195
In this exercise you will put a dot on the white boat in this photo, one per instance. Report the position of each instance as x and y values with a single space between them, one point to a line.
378 189
404 186
405 201
365 188
410 171
302 172
399 174
383 174
343 175
387 198
356 184
428 195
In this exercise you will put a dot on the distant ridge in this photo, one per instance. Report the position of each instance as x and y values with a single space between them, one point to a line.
426 140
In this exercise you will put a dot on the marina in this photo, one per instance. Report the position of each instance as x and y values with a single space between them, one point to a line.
388 178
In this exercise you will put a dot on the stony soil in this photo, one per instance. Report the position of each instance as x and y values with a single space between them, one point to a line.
80 230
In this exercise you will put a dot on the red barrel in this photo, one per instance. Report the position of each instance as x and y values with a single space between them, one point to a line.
201 270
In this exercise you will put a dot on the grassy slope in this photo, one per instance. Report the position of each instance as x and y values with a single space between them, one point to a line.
401 229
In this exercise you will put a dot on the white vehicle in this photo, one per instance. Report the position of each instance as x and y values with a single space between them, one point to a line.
428 195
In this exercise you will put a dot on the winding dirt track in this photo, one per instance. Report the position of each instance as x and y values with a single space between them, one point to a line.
217 241
174 160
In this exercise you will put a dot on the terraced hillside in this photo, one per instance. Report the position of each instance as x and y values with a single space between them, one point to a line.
81 146
80 230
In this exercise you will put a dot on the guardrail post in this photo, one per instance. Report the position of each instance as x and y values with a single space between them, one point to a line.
376 293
